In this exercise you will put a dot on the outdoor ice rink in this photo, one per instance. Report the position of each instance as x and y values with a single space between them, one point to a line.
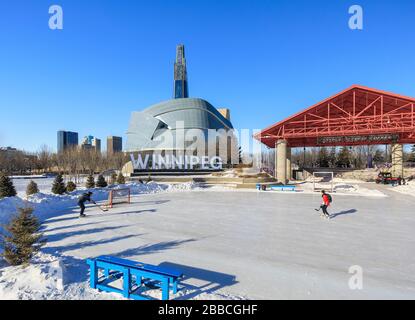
255 245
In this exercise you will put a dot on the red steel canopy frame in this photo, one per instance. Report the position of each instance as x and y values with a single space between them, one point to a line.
356 116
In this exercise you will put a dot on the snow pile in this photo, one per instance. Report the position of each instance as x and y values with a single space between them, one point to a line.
357 189
43 204
343 189
47 204
53 278
153 187
181 187
40 280
367 175
140 188
8 207
47 278
347 181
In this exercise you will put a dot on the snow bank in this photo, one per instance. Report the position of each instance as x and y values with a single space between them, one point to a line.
357 189
8 207
63 278
344 189
47 278
40 280
348 181
43 204
47 204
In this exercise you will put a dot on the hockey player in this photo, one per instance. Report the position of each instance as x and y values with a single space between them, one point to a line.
327 200
81 202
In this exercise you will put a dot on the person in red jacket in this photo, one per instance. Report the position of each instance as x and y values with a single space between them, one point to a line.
327 199
326 203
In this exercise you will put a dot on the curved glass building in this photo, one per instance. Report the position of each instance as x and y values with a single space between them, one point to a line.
173 123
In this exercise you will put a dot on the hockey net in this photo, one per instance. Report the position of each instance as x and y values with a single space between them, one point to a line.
323 181
119 196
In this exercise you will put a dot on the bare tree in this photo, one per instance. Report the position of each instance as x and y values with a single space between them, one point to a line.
45 158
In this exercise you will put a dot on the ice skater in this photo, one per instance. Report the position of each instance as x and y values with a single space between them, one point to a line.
81 202
327 200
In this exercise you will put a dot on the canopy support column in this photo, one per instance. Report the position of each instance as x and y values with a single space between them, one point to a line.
281 161
289 167
397 160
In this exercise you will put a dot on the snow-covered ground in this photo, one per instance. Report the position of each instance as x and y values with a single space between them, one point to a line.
230 245
343 187
44 184
47 204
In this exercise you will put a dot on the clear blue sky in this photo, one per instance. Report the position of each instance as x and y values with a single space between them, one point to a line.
262 59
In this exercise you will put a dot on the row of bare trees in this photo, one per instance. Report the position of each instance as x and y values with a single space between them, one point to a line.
357 157
73 162
17 162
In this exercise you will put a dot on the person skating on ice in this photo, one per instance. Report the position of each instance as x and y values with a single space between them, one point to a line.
327 199
81 202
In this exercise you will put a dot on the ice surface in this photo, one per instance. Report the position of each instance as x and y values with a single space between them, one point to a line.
233 244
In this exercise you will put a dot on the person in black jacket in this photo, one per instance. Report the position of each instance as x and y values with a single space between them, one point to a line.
81 202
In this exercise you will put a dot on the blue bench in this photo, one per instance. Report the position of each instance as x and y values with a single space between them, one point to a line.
283 188
134 276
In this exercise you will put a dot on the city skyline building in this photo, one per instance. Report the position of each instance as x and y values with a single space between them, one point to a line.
181 88
96 144
114 145
85 146
66 139
87 140
91 143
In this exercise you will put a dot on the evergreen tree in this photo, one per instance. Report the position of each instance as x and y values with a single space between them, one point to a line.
6 187
90 182
113 179
323 158
344 158
120 179
23 239
379 157
58 186
70 186
332 157
101 183
32 188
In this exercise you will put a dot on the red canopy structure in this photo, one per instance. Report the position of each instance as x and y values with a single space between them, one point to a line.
356 116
